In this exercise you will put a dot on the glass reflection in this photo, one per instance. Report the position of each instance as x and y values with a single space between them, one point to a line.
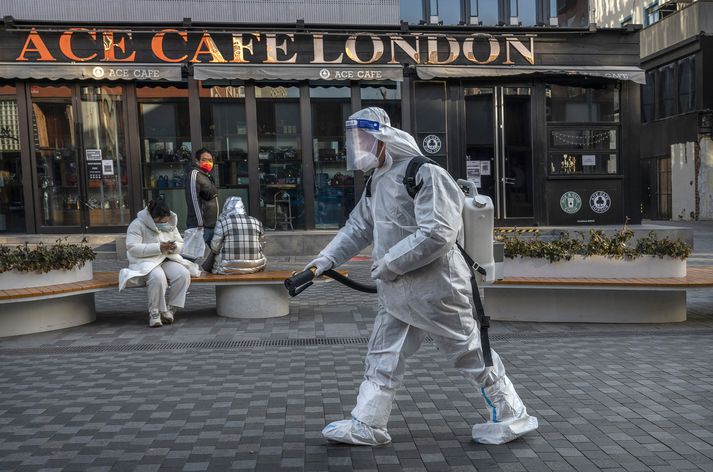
56 155
386 96
105 157
165 145
224 132
334 185
280 157
12 206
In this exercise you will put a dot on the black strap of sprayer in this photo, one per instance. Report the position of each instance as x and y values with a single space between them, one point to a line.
478 310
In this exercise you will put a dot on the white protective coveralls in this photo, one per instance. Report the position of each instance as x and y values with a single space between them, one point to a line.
424 289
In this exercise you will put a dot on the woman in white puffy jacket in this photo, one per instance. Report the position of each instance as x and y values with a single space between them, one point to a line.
153 248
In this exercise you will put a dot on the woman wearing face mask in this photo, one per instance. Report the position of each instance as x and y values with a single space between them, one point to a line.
202 195
153 248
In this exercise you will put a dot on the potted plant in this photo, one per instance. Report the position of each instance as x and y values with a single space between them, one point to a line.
595 255
60 263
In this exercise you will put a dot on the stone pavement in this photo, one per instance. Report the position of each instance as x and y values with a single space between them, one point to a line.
211 393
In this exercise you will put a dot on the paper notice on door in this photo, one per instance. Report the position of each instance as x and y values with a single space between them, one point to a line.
473 172
484 167
107 167
472 169
589 160
94 169
93 154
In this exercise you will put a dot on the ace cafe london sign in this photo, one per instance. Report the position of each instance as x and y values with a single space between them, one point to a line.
178 46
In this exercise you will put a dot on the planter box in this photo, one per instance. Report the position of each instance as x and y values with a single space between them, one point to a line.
16 279
598 267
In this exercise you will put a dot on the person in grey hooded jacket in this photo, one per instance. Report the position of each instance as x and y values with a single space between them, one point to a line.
423 285
238 241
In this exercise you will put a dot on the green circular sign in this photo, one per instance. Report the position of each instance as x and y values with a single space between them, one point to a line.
570 202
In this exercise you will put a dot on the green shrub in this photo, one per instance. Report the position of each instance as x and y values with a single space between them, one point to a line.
43 258
617 246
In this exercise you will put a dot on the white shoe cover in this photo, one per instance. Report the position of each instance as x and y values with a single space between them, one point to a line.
355 432
509 419
505 431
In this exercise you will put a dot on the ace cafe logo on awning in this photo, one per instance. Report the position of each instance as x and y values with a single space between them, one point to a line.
125 73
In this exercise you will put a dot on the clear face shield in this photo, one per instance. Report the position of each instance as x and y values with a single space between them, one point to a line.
361 145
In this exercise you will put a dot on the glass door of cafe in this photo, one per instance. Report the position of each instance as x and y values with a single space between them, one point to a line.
79 155
56 160
106 189
499 148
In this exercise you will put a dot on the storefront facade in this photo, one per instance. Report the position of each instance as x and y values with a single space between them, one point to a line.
97 121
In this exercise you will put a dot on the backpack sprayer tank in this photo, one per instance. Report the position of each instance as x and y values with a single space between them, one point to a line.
477 233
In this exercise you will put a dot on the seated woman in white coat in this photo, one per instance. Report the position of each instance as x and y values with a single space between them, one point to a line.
153 247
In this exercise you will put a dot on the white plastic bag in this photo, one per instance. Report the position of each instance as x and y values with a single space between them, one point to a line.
193 244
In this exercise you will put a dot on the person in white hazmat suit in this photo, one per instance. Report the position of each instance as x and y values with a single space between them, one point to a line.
423 285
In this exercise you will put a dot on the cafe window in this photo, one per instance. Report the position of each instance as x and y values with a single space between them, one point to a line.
412 11
569 13
166 148
334 185
487 12
686 84
665 91
577 150
648 97
565 13
55 155
583 104
385 95
446 12
280 156
103 141
224 132
523 12
651 13
12 203
580 142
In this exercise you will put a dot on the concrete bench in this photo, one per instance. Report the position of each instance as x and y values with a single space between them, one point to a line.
38 309
587 300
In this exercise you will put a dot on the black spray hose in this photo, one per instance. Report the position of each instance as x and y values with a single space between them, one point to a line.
301 280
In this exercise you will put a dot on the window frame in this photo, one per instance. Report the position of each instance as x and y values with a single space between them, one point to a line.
552 126
651 10
690 63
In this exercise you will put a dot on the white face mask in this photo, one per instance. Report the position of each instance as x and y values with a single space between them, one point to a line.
365 161
165 227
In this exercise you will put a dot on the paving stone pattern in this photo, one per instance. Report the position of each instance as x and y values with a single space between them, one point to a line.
608 397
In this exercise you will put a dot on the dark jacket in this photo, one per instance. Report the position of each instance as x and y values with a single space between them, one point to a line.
201 198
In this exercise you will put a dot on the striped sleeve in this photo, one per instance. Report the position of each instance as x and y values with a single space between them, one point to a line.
194 197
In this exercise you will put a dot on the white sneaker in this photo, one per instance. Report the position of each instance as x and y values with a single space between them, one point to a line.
167 316
155 320
355 432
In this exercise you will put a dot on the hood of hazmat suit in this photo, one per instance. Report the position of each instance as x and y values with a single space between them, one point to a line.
414 240
233 205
